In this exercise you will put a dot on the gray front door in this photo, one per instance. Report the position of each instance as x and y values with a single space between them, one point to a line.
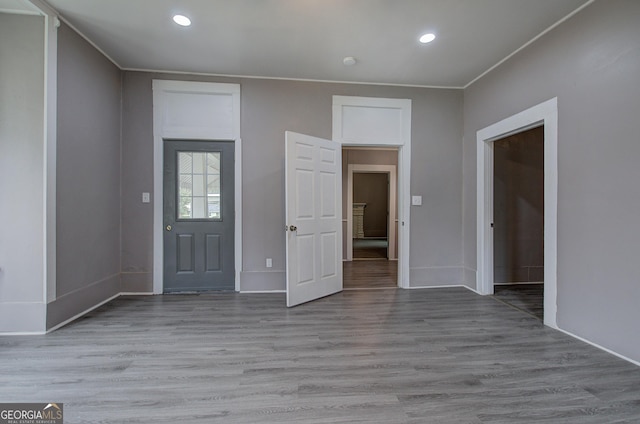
198 216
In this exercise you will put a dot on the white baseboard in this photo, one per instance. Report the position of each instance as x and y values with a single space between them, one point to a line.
75 317
598 346
24 318
470 289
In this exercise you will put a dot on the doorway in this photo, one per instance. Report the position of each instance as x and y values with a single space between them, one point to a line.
198 216
544 114
518 220
370 216
190 110
371 210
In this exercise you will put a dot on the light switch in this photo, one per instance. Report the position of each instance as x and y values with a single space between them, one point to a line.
145 197
269 262
416 200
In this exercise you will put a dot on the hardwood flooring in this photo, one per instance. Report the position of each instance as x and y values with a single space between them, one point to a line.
370 274
362 356
529 298
370 248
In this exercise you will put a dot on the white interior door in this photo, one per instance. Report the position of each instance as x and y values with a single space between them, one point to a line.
313 180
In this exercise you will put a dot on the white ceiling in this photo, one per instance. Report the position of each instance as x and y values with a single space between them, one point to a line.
307 39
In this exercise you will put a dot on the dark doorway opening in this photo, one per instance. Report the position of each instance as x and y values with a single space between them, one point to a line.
518 220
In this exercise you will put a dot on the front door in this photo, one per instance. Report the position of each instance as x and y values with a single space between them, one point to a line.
198 216
313 192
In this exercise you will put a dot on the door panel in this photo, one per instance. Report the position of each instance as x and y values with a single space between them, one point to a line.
198 216
212 253
313 216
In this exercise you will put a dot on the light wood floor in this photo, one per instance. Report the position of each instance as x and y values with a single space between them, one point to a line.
362 356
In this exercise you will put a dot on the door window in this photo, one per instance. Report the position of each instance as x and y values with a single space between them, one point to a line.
198 186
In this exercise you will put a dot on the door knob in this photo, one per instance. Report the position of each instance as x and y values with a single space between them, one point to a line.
168 227
293 228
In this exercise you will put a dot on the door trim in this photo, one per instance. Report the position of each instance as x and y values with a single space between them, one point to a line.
393 129
171 97
546 114
392 204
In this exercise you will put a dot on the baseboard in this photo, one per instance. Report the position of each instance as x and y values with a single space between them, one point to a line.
136 282
137 294
22 318
469 276
436 276
472 289
262 281
598 346
76 303
75 317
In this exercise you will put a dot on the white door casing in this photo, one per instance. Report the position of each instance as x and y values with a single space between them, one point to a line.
546 114
370 121
194 111
313 190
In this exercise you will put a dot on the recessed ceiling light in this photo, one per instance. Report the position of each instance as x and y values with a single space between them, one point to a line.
427 38
181 20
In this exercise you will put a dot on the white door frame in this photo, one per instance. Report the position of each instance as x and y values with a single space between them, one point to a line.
194 111
391 218
382 122
546 114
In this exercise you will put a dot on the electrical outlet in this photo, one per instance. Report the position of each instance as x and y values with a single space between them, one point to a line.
269 262
145 197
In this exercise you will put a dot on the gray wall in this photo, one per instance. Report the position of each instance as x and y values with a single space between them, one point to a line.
268 108
518 212
592 64
88 178
21 173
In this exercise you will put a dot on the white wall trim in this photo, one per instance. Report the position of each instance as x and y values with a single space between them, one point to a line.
76 316
23 318
546 114
397 133
50 152
568 333
392 201
266 77
162 129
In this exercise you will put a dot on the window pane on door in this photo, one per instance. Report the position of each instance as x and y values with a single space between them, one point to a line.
199 185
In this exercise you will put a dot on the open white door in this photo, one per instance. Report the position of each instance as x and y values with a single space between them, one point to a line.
313 187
